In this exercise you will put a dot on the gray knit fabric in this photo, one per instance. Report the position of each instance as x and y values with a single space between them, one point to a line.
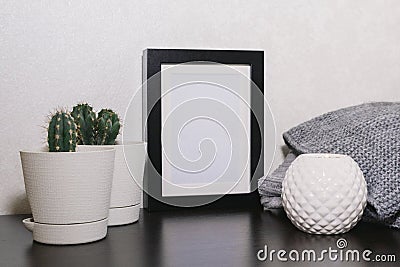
370 134
270 187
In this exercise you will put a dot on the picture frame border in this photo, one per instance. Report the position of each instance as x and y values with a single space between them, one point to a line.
153 59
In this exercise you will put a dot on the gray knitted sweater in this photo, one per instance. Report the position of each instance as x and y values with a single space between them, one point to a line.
370 134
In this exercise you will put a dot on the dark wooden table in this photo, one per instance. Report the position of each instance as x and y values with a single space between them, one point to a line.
193 238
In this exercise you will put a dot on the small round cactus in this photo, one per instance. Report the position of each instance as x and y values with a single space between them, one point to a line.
61 135
85 120
107 127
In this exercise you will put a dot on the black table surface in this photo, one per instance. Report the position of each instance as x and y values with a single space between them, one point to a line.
195 238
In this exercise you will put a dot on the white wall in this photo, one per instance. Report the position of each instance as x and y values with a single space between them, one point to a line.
320 55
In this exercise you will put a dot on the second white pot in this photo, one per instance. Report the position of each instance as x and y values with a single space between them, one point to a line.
128 174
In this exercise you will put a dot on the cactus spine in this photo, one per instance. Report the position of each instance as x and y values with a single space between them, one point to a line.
107 127
61 135
85 120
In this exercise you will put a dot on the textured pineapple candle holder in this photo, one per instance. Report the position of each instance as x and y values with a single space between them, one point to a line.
324 193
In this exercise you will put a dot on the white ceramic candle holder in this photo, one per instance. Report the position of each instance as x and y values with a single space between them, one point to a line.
324 193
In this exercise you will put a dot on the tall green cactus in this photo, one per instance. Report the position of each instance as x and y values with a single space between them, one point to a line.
85 120
107 127
61 135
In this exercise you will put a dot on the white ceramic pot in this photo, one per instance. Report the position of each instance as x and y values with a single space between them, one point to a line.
128 173
69 194
324 193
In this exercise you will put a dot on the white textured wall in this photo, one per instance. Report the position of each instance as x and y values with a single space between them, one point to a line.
320 55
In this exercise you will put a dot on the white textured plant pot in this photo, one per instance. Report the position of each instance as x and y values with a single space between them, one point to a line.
128 173
324 193
69 194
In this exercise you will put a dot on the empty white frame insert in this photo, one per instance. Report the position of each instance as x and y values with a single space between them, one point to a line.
205 120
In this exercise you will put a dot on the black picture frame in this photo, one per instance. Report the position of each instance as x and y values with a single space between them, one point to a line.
152 62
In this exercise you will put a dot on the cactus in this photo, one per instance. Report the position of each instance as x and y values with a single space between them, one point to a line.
61 135
107 127
85 120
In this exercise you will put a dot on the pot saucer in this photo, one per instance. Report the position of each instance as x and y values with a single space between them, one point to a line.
124 215
67 234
